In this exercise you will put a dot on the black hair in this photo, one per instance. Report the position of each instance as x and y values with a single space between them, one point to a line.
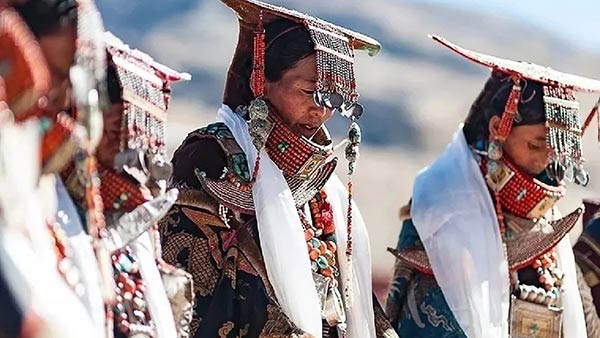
47 16
492 101
113 85
287 43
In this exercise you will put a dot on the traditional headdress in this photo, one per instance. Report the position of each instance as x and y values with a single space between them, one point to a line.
145 90
335 87
297 164
143 86
518 192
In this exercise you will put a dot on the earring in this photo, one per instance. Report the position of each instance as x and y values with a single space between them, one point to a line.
494 154
582 177
351 152
260 125
495 150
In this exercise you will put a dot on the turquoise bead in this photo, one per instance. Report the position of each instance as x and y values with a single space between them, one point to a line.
322 262
45 124
125 263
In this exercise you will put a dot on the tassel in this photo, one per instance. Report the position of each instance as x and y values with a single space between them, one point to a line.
257 79
510 111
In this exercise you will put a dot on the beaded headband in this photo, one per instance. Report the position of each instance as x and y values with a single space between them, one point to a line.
145 89
564 128
334 46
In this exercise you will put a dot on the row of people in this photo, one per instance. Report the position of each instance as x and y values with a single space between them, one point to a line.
250 233
83 180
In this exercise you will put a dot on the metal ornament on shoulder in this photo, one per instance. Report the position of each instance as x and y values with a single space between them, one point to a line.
125 228
153 171
160 169
260 125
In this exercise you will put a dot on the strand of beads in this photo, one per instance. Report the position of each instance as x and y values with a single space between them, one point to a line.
548 272
320 237
550 276
130 311
65 266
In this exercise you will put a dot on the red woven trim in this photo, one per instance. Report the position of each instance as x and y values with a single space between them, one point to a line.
522 193
417 259
288 150
114 186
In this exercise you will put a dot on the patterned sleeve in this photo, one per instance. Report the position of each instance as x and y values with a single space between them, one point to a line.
403 273
383 327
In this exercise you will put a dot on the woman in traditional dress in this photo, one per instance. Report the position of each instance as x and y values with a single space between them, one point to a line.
132 173
482 251
41 43
261 222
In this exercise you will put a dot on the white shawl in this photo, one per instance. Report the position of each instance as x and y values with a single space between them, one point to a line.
454 215
284 247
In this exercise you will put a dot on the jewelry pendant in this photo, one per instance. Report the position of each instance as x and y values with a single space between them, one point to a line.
351 152
581 176
495 151
569 173
260 125
493 167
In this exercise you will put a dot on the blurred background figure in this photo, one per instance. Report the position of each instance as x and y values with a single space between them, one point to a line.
133 175
42 43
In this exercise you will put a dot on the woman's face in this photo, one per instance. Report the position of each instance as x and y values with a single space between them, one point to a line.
110 143
59 50
292 97
526 146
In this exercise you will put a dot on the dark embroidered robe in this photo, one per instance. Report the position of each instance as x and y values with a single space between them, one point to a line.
233 295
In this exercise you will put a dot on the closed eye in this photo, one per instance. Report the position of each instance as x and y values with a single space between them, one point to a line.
533 146
308 92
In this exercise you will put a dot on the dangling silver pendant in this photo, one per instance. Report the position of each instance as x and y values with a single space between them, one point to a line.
493 167
495 151
351 151
582 177
354 134
570 173
351 156
260 124
556 171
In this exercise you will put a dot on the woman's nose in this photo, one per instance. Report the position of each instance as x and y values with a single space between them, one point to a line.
321 114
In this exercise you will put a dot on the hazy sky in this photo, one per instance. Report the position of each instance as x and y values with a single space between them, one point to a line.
575 20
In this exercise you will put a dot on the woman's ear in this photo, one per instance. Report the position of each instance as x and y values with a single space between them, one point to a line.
493 126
